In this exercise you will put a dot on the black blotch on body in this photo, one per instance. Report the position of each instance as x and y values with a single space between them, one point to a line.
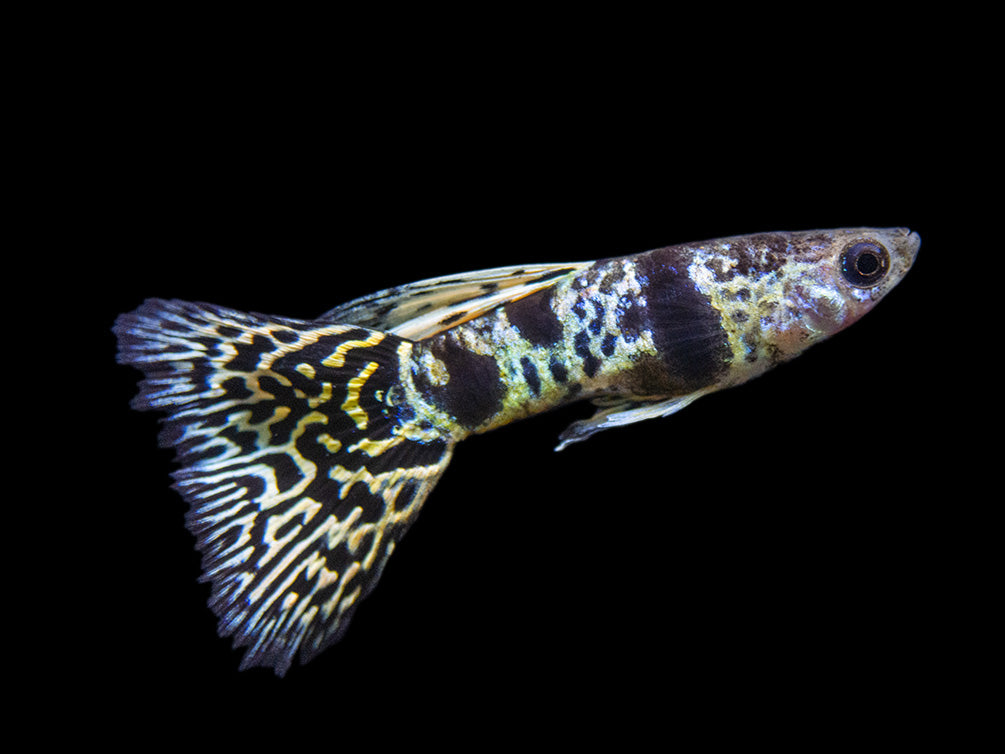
597 323
558 370
535 319
631 319
582 345
474 391
530 375
686 329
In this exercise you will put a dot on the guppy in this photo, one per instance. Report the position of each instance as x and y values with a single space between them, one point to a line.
307 448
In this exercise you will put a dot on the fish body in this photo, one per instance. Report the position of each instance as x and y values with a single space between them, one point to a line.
307 448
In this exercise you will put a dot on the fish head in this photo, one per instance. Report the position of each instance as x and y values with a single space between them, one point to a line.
780 293
846 272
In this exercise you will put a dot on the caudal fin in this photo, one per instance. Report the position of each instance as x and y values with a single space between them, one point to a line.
298 481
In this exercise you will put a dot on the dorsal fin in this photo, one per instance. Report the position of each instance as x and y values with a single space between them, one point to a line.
423 309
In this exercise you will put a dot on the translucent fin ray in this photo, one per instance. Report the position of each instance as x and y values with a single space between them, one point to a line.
620 413
423 309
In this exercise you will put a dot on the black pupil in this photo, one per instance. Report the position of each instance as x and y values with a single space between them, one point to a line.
864 264
867 264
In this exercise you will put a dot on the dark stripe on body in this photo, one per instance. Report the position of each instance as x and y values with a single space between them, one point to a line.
686 329
582 345
474 391
530 375
558 369
534 317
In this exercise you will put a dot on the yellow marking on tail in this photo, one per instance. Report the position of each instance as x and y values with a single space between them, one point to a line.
351 405
337 359
375 448
331 444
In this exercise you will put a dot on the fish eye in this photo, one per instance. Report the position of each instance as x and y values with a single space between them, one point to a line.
864 264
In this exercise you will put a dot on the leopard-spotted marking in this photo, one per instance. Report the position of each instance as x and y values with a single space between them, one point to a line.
272 423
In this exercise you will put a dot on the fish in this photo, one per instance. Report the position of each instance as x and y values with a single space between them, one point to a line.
307 448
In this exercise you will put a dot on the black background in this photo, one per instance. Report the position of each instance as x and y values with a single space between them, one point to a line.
785 543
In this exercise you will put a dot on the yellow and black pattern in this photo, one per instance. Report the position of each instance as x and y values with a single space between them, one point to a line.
308 448
299 477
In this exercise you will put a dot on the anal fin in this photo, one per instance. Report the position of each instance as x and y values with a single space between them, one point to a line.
621 411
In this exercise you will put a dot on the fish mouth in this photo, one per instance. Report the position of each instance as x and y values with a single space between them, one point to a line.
913 243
